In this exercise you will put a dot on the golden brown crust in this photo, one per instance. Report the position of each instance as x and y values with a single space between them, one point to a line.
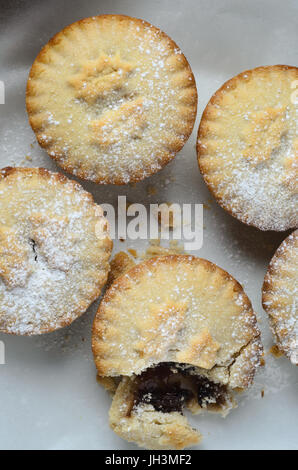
135 287
121 263
53 260
201 351
279 296
164 144
173 309
245 123
109 383
147 427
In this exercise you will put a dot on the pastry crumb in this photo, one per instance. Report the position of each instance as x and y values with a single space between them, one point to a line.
133 252
151 190
121 263
262 362
156 249
275 351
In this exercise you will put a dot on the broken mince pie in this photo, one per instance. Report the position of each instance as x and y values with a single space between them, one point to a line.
173 332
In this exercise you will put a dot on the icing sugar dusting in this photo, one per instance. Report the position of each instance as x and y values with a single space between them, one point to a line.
55 264
261 193
248 148
119 112
281 296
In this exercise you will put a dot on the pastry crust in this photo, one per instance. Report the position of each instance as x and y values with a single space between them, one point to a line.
121 263
280 296
112 99
247 147
149 428
175 309
167 300
54 251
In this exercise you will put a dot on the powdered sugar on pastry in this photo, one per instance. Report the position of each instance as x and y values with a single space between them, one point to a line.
52 263
247 147
280 296
175 331
112 99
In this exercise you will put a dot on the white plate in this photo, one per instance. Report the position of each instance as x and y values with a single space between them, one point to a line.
49 395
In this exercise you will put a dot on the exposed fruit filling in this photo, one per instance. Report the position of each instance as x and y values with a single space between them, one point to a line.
169 386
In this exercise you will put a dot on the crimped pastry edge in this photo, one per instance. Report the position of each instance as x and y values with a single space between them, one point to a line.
228 207
68 167
60 178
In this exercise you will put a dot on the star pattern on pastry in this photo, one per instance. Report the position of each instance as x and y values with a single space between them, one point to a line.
263 134
99 77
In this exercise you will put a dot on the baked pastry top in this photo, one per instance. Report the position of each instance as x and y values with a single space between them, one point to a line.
248 147
173 331
112 99
280 296
54 250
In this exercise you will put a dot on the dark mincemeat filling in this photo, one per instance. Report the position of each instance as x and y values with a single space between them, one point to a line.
169 386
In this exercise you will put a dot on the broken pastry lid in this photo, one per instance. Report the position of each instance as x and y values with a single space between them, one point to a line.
174 333
148 408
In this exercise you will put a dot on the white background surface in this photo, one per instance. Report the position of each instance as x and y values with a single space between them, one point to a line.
48 392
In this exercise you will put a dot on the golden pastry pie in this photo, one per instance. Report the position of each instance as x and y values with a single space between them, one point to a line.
112 99
280 297
54 250
173 332
248 147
